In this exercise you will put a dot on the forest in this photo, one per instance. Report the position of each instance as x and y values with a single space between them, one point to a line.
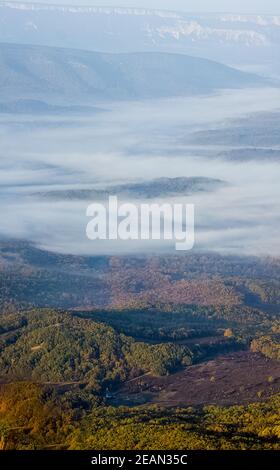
185 357
33 416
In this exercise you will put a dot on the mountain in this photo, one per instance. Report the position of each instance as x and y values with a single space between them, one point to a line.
45 73
238 40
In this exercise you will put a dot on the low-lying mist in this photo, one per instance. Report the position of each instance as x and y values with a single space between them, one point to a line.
138 142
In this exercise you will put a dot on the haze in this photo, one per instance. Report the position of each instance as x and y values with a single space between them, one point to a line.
245 6
139 141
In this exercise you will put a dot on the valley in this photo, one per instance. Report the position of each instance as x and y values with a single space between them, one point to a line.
126 343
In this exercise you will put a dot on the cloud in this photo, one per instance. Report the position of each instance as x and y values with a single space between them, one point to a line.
133 142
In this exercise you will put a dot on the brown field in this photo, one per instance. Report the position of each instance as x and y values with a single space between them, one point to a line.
236 378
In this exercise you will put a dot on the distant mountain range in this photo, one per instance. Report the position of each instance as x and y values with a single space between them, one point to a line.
46 73
238 40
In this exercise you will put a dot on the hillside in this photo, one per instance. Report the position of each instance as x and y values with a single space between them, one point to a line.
35 417
34 72
49 346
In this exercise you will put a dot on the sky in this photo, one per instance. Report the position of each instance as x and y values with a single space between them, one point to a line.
240 6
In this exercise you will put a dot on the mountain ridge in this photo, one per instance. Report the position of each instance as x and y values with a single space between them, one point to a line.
43 72
247 41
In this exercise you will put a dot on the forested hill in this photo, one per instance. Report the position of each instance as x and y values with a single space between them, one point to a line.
49 346
46 73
